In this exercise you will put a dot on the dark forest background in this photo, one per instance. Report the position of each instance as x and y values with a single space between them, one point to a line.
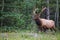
16 15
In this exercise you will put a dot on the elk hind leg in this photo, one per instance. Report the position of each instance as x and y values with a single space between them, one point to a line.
54 29
51 29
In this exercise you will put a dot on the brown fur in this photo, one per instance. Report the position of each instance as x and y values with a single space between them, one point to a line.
48 24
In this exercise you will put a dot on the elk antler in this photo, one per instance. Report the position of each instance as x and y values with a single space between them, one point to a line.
35 11
43 10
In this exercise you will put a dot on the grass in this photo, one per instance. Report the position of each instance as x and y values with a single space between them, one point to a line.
30 36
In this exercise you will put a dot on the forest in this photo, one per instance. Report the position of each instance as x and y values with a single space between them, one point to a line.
16 16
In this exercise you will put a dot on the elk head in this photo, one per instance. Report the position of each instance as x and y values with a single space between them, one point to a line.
36 15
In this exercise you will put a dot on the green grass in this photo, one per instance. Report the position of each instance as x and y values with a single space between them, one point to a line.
30 36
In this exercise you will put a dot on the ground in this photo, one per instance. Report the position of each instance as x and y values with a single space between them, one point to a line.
30 36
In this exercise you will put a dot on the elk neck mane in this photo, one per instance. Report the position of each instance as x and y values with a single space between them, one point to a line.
38 22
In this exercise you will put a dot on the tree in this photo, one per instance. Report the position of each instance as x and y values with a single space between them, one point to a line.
48 9
57 12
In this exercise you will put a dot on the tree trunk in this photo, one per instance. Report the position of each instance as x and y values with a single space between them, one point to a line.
57 12
48 13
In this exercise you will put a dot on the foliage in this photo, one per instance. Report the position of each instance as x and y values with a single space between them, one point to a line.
17 14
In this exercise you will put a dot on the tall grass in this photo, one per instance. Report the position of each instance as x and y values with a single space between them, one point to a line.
30 36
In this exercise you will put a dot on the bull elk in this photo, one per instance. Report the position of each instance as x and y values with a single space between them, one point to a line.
43 24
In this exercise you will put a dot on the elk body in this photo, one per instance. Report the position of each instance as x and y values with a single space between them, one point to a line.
44 24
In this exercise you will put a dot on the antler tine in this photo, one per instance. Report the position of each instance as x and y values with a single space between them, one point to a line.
42 10
35 10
